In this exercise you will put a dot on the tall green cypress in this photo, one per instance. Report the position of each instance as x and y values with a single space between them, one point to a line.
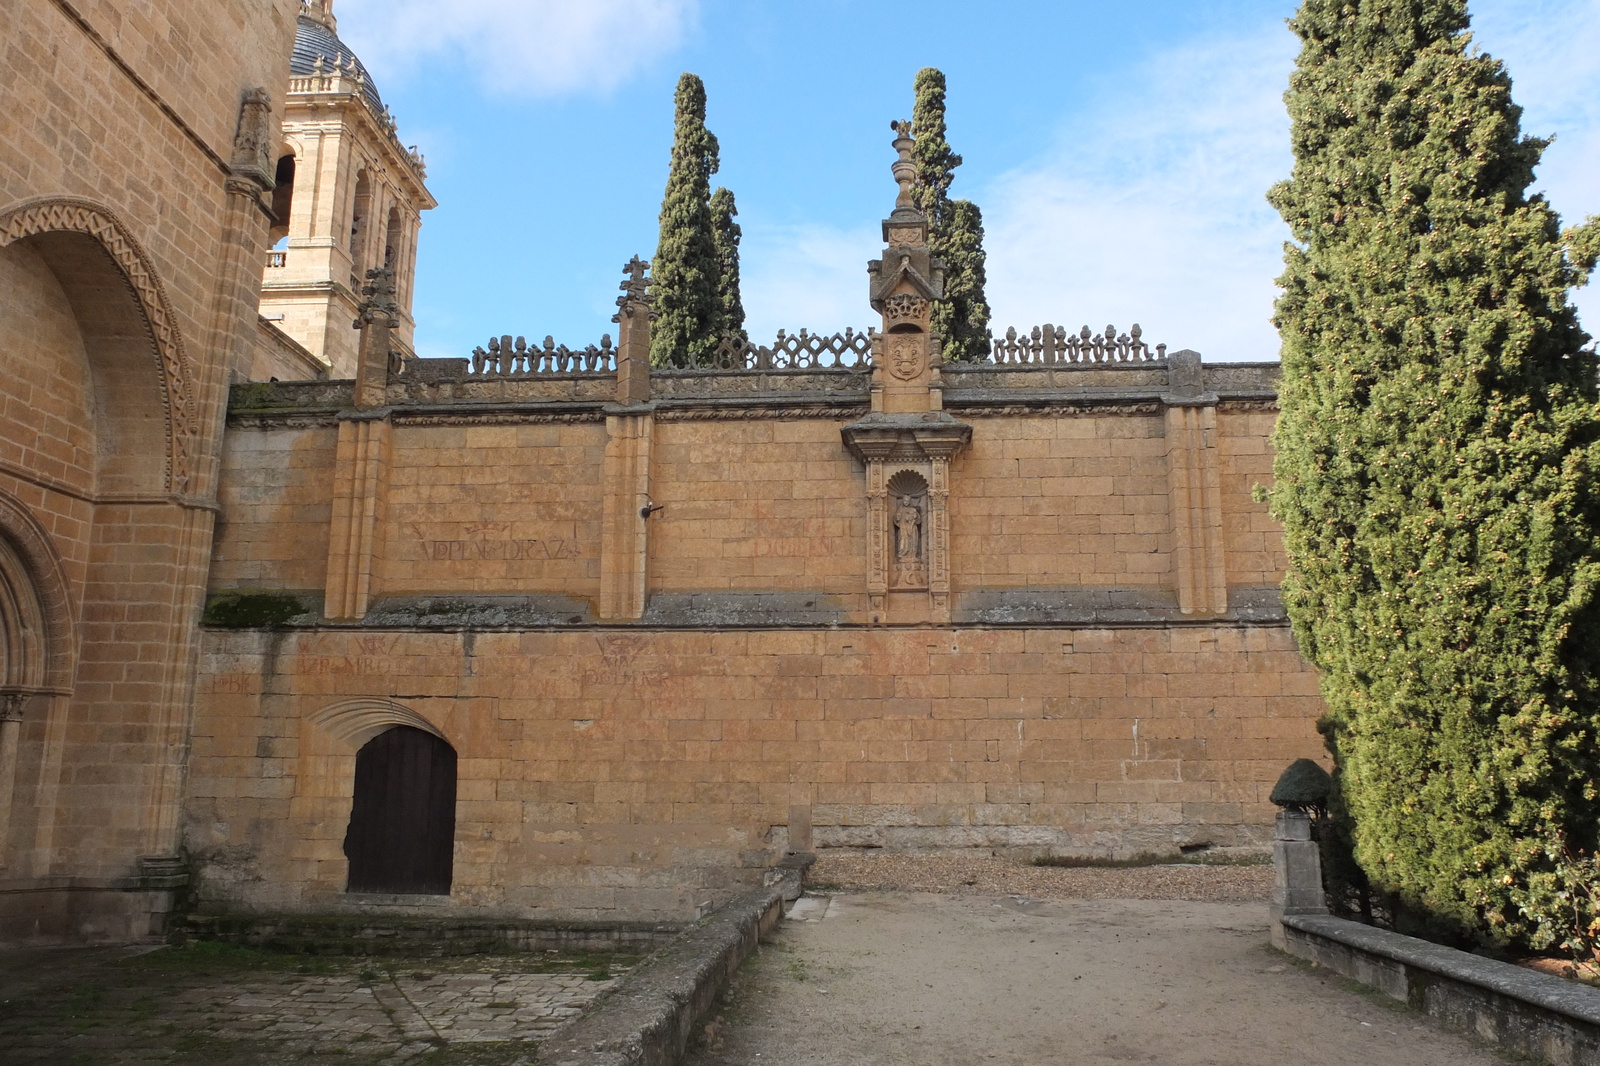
962 317
1438 475
725 237
936 163
684 273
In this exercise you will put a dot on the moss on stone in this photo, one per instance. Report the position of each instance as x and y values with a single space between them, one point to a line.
248 609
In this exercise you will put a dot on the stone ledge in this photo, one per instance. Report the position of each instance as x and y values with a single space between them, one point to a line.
1523 1011
648 1018
372 933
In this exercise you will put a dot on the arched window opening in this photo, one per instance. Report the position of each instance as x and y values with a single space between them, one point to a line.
403 815
282 199
358 228
391 240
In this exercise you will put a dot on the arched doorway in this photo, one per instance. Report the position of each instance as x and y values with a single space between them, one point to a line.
403 815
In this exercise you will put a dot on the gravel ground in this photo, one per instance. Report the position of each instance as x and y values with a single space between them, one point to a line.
908 979
988 876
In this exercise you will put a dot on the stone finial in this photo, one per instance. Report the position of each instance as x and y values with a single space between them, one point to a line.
378 305
254 139
378 315
904 170
635 287
319 11
634 315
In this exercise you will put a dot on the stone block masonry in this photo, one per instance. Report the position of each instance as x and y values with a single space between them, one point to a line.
1078 702
673 623
131 225
615 774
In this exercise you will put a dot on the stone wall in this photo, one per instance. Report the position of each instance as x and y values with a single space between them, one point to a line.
131 227
1080 698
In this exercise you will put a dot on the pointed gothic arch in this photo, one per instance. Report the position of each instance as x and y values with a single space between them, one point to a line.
73 215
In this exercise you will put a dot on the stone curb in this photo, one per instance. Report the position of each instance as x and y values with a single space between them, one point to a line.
648 1018
1522 1010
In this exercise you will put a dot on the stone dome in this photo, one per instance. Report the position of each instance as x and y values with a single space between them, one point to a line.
314 38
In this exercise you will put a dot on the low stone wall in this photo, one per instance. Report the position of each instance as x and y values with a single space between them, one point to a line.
648 1018
1523 1011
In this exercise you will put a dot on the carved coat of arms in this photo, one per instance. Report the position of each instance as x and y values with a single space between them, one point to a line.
905 357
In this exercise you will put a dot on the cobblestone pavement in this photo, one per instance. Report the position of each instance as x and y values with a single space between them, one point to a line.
237 1007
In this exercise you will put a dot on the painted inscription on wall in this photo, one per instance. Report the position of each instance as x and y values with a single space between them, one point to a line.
492 541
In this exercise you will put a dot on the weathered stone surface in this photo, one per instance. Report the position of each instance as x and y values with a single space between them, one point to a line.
1525 1012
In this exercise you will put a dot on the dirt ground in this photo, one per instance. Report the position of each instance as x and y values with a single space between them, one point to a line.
873 978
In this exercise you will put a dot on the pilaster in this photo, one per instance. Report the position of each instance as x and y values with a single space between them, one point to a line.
1194 485
361 461
360 496
625 545
630 429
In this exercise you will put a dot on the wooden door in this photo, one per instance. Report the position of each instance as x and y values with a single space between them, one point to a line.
403 816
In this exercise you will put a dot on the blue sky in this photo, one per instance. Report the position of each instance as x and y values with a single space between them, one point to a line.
1120 153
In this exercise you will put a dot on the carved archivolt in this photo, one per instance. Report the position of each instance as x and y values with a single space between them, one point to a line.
359 720
40 621
73 215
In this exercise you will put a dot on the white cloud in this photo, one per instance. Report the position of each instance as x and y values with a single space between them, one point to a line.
1151 208
805 276
516 47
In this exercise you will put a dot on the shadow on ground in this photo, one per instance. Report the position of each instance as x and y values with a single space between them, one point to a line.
220 1005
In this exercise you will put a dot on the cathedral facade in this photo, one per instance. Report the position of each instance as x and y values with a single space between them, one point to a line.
296 621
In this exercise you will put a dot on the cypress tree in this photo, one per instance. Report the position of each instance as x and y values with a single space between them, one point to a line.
936 163
725 236
962 317
1438 475
685 271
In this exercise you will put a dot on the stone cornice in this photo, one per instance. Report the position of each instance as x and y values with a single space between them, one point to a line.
456 396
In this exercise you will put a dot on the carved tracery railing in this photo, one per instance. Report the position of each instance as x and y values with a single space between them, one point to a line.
1054 344
802 351
513 357
508 358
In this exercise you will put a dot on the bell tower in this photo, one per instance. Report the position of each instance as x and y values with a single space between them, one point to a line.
349 199
907 440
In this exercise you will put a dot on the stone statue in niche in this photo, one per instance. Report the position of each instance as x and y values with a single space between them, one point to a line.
909 570
907 531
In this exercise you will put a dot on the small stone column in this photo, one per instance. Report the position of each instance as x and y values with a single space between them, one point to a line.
1297 872
11 704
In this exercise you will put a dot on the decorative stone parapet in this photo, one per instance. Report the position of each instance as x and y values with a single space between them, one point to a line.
972 388
1054 344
